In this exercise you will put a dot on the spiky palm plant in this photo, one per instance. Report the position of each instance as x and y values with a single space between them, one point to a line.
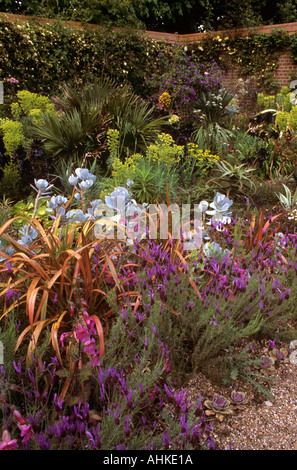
135 121
85 114
68 134
82 119
91 96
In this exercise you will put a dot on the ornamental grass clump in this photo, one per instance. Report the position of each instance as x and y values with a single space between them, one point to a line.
55 272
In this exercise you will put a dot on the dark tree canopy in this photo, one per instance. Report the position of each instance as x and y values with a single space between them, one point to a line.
182 16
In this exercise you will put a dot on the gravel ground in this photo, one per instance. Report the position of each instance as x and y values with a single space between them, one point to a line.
263 424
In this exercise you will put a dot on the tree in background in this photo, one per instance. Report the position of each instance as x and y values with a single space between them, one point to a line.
182 16
114 12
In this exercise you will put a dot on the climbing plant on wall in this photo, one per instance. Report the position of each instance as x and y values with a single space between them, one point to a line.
256 55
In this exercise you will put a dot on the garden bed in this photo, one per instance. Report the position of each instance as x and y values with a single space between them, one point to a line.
118 336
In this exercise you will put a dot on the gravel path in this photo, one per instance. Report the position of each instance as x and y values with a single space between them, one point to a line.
266 424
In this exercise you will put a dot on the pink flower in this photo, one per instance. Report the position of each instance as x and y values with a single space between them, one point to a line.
7 443
89 321
96 360
64 338
12 80
26 432
24 427
82 333
19 418
167 366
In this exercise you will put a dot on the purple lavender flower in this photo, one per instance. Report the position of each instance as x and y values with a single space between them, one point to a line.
58 402
42 442
141 390
10 294
130 333
169 392
129 398
145 342
115 415
18 368
166 440
127 424
124 315
213 322
155 331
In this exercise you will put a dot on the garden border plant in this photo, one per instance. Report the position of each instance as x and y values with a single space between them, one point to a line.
104 322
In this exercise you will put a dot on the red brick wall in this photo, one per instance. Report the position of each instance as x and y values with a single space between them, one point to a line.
285 71
231 76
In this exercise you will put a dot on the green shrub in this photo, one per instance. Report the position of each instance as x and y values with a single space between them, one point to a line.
26 209
29 108
28 102
165 150
13 135
11 183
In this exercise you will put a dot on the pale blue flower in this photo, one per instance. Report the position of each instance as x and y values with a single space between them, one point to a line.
219 220
86 184
96 203
26 241
117 199
221 214
73 180
69 215
41 185
9 251
94 211
203 206
60 200
28 231
82 173
221 203
56 201
79 216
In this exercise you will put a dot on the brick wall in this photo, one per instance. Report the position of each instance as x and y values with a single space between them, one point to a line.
286 69
285 72
232 75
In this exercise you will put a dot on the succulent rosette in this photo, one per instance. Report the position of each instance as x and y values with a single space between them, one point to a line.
238 399
279 354
266 364
219 406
